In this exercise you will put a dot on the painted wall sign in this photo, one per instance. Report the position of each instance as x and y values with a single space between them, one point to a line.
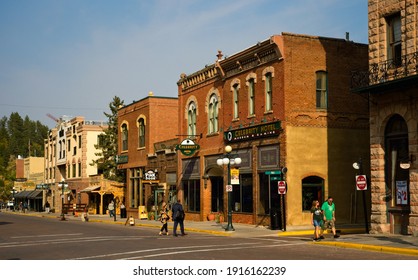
253 132
187 147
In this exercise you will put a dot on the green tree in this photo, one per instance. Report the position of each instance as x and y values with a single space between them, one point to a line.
108 146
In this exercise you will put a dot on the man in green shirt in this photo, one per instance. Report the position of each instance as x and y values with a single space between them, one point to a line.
328 208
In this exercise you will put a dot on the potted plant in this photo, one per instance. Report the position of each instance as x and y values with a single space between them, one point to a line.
219 217
211 216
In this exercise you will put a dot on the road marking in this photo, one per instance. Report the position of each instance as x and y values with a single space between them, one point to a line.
46 235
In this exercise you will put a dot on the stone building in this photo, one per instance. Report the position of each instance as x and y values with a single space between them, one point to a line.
391 85
144 125
283 104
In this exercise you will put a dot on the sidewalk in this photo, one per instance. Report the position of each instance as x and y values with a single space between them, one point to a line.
352 236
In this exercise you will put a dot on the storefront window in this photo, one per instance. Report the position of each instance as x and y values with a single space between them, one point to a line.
243 194
192 195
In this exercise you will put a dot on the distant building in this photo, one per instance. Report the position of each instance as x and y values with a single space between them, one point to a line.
147 134
391 85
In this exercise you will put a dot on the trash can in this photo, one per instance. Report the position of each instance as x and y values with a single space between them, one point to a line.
275 219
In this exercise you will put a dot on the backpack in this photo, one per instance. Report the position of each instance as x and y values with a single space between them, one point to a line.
179 215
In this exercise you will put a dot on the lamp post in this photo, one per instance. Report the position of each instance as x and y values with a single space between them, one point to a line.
359 166
62 184
229 160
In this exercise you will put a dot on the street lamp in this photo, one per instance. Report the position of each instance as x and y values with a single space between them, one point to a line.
62 185
229 160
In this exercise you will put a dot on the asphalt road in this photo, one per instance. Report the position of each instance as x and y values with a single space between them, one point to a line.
33 238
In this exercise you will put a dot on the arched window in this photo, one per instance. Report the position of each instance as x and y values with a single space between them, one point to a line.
269 92
213 114
235 94
124 137
141 133
191 119
312 188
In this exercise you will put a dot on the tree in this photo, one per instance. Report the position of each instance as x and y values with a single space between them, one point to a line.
108 145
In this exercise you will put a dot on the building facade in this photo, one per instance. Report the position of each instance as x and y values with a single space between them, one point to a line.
283 104
146 153
391 85
70 150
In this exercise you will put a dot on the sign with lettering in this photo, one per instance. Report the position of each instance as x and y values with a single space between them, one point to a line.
253 132
150 175
187 147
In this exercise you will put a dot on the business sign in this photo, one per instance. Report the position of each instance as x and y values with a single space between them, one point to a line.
253 132
187 147
361 182
150 175
121 159
234 176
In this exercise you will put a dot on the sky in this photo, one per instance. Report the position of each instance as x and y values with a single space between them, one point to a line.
72 57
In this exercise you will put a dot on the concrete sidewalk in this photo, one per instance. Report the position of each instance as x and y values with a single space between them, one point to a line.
351 236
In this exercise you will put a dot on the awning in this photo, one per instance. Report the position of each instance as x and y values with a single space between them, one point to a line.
22 194
37 194
91 188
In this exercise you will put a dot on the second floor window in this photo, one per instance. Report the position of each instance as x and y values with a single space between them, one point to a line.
141 133
124 137
213 114
191 119
394 39
321 90
251 97
236 101
269 93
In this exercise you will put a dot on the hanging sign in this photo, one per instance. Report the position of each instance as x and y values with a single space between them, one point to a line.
401 193
187 147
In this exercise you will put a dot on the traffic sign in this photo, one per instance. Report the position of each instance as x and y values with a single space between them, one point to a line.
361 182
275 178
282 187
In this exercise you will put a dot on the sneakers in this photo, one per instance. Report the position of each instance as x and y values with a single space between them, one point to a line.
315 240
321 237
336 236
160 233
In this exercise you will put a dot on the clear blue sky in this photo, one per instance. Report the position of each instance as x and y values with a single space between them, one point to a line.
71 57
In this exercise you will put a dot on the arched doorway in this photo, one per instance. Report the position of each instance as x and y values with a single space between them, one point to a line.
396 175
312 189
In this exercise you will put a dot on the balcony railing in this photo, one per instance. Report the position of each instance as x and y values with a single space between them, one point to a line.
385 71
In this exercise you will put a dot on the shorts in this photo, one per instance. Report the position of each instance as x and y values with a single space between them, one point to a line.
328 224
317 223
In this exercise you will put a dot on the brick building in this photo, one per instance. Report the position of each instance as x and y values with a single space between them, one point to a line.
147 129
391 85
284 102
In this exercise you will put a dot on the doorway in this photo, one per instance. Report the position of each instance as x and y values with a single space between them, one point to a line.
217 195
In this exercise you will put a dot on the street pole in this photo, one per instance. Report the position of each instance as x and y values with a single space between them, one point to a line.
364 198
62 201
114 209
229 226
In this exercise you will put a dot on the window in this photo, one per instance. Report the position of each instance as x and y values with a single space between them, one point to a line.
269 93
141 133
235 94
394 39
243 194
321 90
69 145
312 188
79 141
191 119
74 170
213 114
79 169
124 137
101 140
251 97
192 195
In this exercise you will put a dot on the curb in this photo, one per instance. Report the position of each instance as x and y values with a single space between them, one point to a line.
368 247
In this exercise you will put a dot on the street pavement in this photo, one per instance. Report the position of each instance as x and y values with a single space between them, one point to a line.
351 236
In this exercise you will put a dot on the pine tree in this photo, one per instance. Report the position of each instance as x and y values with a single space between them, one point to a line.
108 145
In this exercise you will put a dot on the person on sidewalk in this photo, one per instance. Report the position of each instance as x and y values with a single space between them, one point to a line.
111 208
316 220
328 208
47 207
164 218
178 218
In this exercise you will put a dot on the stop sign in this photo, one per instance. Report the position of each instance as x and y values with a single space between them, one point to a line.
361 182
282 187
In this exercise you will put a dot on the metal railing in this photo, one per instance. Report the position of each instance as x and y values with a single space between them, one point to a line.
389 70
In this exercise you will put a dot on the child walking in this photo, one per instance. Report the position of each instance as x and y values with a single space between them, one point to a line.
164 218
